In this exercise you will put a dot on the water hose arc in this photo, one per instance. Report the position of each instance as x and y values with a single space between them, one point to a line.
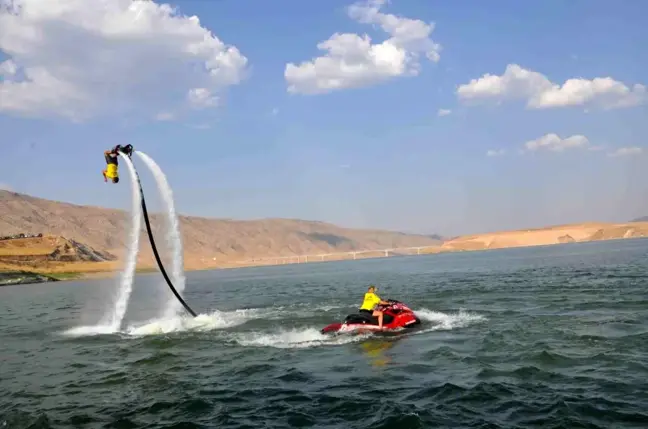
155 251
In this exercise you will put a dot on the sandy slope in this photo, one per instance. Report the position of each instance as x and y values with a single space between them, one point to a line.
550 235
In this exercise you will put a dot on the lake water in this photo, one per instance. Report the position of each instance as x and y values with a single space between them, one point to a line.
551 337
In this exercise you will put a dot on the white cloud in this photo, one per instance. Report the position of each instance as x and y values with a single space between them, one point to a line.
165 116
444 112
80 58
627 151
201 98
5 187
495 152
8 69
539 92
555 143
353 61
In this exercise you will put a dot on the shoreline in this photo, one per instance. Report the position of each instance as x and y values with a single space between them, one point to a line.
19 275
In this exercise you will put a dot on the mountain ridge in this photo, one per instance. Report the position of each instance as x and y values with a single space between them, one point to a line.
93 240
204 239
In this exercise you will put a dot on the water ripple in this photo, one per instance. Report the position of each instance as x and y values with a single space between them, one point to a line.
553 337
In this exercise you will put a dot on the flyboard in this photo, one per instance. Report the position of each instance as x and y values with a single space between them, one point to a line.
155 251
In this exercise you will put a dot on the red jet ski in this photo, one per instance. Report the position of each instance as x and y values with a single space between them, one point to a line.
396 316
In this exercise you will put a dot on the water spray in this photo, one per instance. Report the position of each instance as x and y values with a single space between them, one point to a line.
126 283
173 237
155 250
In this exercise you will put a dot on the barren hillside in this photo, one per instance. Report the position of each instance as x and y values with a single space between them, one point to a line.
52 254
51 248
549 235
92 239
206 241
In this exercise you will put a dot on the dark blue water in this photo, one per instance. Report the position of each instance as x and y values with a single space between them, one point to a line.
545 337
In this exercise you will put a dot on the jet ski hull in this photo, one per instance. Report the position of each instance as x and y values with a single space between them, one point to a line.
396 316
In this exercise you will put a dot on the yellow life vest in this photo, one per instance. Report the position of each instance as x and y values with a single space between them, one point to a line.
370 301
111 171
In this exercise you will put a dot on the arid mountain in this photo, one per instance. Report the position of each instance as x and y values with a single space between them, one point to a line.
206 241
640 219
50 248
62 238
550 235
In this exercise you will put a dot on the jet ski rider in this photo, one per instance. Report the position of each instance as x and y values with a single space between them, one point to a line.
371 300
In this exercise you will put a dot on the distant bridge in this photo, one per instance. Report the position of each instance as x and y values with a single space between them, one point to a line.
336 256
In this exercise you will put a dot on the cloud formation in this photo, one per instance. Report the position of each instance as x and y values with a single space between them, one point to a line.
81 58
352 61
444 112
539 92
495 152
555 143
627 151
552 142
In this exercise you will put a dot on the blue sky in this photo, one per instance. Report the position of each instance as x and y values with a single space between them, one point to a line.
376 154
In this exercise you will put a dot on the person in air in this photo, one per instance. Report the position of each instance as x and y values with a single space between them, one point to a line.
112 162
371 300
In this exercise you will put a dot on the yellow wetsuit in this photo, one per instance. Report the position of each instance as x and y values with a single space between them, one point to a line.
370 301
111 171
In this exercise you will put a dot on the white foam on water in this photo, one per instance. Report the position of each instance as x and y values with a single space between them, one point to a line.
445 321
202 322
294 338
181 323
173 239
86 331
328 307
283 338
292 311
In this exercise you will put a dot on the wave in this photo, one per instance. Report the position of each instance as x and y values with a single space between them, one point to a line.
216 320
447 321
84 331
202 322
295 338
312 337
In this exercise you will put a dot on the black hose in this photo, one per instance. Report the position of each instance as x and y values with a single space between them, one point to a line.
155 252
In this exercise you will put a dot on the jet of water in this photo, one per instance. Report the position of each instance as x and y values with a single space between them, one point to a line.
173 238
126 281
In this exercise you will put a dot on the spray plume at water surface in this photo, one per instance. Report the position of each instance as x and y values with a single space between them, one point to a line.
112 320
173 238
126 281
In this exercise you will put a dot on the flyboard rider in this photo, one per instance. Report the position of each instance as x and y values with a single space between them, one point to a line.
112 163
